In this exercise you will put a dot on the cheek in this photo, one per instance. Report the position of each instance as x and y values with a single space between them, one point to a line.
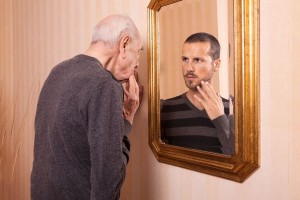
203 71
129 67
184 69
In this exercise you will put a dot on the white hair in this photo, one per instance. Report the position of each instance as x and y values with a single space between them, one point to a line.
112 28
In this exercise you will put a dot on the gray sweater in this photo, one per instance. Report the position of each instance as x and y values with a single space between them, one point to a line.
81 146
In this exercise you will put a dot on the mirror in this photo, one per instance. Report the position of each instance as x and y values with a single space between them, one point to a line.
235 25
184 121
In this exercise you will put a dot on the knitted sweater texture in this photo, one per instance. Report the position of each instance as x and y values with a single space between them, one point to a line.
81 146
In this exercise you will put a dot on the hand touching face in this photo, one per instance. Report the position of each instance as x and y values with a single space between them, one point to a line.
133 97
210 100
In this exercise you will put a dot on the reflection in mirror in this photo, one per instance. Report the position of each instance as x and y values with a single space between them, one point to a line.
178 21
185 63
199 118
235 23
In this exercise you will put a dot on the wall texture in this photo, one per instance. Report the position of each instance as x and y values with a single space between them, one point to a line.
35 35
8 145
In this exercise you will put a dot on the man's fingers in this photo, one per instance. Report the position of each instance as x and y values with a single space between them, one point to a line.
134 87
132 84
131 87
203 94
132 100
125 86
206 88
211 93
203 103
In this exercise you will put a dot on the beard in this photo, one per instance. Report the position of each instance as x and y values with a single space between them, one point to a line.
196 81
192 85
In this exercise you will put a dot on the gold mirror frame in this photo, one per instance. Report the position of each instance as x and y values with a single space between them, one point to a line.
245 161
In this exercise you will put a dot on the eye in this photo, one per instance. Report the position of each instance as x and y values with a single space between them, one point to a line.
184 59
198 60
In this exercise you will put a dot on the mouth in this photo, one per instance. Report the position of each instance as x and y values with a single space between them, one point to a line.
190 76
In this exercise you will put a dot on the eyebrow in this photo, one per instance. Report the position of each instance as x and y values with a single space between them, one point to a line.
199 58
193 58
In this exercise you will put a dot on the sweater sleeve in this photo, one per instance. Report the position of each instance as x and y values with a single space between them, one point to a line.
126 142
225 132
108 140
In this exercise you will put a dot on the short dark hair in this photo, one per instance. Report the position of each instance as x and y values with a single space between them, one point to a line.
205 37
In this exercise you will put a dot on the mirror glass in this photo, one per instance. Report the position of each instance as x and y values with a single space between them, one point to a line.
178 21
235 75
182 123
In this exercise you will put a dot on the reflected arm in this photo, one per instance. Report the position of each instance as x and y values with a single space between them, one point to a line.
225 132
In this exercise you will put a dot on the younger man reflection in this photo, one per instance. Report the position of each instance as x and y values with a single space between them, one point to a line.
199 118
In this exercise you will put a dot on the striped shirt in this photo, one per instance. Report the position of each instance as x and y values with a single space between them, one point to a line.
183 124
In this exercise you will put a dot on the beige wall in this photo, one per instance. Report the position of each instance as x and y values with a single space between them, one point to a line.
7 138
177 22
35 35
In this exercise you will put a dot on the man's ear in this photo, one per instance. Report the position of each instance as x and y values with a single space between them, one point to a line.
123 44
217 64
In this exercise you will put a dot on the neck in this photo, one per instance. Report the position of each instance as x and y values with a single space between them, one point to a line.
190 95
103 53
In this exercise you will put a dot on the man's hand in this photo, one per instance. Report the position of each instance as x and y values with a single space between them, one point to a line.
131 99
210 100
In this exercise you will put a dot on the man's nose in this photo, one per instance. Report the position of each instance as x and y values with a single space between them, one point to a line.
190 66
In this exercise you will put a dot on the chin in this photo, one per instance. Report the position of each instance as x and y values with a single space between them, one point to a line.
194 88
191 85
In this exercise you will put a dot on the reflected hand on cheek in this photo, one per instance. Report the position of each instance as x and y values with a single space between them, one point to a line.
210 100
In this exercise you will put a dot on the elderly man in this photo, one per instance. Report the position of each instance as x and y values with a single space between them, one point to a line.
82 122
